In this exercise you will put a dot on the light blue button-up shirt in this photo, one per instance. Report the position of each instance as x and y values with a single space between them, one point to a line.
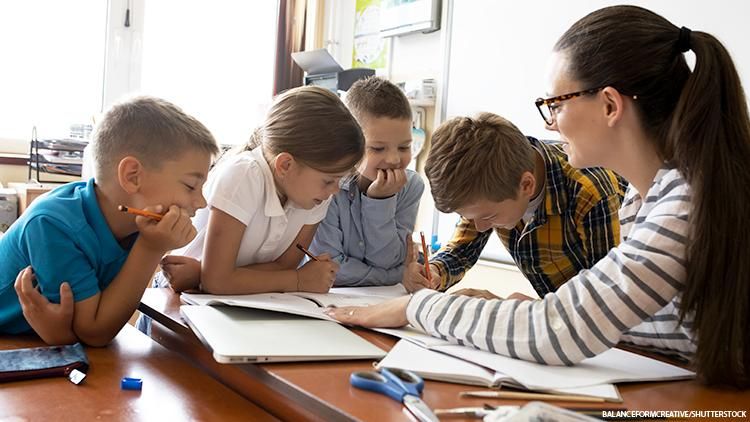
367 236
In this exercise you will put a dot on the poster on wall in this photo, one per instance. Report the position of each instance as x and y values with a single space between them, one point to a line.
370 49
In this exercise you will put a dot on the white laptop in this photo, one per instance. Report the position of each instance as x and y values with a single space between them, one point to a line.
240 335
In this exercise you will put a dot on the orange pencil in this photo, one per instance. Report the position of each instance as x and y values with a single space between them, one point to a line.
426 260
306 252
136 211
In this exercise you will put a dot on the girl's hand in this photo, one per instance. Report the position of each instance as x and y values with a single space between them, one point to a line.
317 276
182 272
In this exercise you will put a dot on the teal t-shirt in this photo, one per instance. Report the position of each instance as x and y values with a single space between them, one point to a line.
64 237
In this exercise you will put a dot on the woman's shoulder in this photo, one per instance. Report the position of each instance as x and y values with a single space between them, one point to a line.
668 183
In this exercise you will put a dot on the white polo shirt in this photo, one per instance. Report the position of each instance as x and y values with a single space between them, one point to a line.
243 187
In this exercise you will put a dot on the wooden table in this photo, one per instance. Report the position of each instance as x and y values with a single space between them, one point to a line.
321 390
173 389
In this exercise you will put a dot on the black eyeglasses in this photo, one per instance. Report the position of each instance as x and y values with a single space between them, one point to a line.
548 112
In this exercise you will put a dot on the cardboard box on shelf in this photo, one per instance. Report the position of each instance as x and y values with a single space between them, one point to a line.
28 192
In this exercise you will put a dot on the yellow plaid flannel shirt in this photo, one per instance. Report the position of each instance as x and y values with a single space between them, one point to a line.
573 228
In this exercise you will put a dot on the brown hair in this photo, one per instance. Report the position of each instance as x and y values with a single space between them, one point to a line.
377 97
150 129
699 122
314 126
476 158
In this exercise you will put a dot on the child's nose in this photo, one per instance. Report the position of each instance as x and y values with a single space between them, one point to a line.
201 201
393 158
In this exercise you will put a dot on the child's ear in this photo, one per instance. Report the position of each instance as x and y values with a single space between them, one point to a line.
283 164
130 174
528 185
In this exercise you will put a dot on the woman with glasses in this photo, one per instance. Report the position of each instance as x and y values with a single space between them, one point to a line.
623 97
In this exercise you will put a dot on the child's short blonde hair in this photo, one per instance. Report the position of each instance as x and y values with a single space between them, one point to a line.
150 129
473 159
377 97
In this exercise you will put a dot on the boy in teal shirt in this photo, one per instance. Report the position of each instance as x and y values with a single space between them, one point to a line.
149 154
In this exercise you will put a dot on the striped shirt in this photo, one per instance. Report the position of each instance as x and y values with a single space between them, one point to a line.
572 229
632 294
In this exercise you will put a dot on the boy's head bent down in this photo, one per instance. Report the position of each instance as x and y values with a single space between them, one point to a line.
483 168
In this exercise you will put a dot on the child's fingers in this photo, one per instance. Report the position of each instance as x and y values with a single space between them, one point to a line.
324 257
170 218
24 281
22 285
409 250
66 299
334 267
381 178
172 260
399 177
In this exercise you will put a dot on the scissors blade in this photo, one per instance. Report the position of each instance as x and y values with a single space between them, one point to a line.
419 409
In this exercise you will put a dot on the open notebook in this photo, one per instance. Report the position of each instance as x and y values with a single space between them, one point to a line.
301 303
441 367
613 366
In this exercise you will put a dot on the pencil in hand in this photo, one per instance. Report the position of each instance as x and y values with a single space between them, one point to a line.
143 213
306 252
426 253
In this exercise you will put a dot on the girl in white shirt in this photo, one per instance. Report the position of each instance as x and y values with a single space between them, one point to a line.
622 96
269 197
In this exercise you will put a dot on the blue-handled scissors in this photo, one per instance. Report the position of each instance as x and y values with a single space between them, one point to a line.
400 385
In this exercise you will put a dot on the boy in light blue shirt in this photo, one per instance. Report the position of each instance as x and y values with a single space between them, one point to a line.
370 219
85 254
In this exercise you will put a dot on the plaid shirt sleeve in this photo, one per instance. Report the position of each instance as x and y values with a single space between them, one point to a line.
460 254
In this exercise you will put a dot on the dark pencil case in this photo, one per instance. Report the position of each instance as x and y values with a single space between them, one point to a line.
41 362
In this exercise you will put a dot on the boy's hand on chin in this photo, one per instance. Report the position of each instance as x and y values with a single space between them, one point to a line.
388 183
174 231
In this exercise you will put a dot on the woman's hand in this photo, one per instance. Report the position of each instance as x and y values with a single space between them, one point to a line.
389 314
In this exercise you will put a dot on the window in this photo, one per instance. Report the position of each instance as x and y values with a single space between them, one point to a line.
63 62
213 59
53 67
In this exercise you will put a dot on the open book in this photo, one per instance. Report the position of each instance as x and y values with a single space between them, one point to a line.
441 367
613 366
301 303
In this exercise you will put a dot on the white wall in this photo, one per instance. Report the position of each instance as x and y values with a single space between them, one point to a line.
500 52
